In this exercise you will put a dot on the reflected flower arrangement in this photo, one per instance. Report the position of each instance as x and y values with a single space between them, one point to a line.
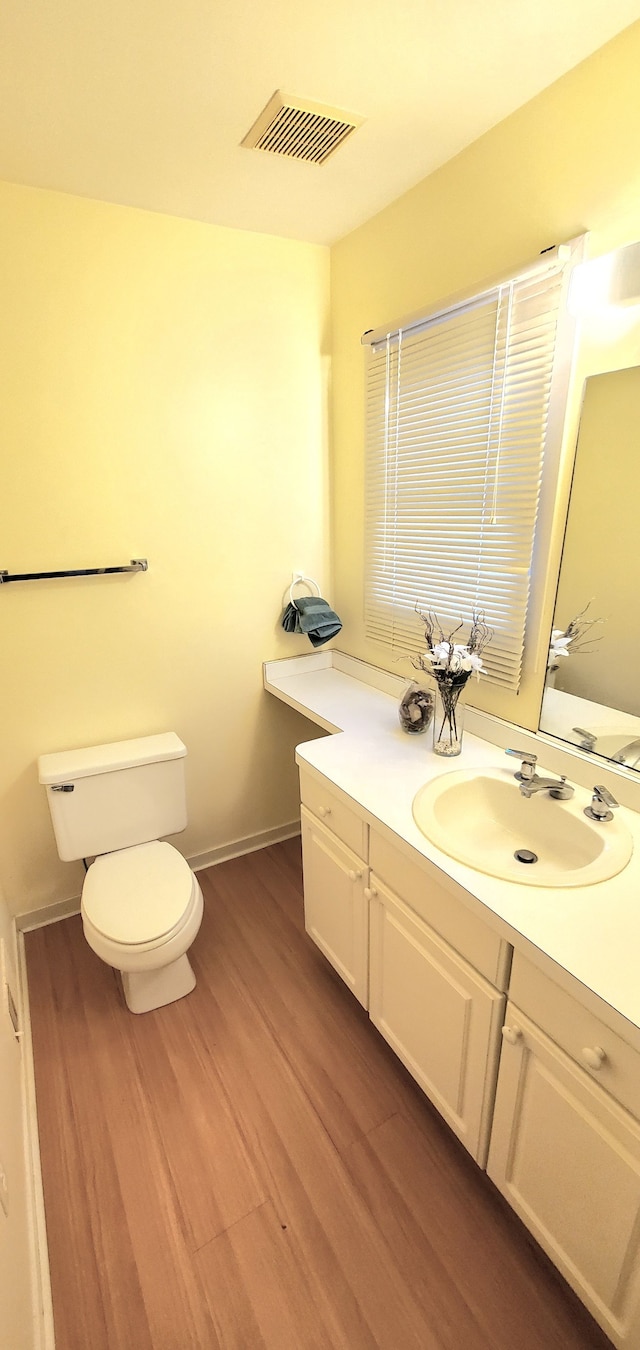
576 637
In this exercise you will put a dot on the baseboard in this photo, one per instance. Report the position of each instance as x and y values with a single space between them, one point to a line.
43 1329
63 909
38 918
250 844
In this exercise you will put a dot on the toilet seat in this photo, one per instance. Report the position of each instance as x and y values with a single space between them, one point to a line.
139 897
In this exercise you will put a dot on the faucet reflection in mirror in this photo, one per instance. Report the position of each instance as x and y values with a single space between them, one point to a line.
594 703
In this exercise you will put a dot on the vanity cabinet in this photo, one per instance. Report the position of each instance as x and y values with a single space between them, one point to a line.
430 972
440 1016
335 907
565 1148
541 1089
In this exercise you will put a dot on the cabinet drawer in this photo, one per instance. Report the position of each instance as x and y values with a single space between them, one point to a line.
458 925
578 1032
329 807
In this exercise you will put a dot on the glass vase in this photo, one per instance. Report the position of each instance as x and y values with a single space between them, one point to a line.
416 708
448 716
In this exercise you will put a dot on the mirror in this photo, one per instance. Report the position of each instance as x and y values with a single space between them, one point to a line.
592 691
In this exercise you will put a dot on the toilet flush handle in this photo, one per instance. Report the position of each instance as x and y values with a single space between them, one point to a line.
62 787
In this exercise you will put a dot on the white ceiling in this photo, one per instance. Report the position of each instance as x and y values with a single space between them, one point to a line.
145 102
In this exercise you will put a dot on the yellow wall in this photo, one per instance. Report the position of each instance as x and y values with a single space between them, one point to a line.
163 395
566 162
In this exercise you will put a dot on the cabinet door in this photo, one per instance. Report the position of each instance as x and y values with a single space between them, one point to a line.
440 1016
567 1158
335 909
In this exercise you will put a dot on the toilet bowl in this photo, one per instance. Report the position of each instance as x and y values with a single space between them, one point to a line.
141 903
141 909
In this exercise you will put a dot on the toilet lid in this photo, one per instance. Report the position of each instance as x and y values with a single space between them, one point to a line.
139 894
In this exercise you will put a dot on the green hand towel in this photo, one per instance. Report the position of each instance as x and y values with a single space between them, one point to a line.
317 619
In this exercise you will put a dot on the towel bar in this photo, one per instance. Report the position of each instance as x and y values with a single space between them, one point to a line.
136 565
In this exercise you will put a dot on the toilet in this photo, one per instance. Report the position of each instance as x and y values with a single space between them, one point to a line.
141 903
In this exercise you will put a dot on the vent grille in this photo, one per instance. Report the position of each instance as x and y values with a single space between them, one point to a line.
300 129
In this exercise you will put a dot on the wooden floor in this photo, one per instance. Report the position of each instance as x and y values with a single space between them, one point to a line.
252 1167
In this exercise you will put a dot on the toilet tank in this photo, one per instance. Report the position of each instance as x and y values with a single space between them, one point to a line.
108 797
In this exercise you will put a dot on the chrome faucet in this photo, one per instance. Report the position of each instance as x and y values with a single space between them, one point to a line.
527 769
602 806
556 787
530 782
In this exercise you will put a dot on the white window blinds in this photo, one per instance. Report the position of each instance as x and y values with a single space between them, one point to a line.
456 420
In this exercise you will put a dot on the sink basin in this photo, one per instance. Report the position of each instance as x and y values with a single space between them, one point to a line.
481 819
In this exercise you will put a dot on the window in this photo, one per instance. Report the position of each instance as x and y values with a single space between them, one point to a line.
459 416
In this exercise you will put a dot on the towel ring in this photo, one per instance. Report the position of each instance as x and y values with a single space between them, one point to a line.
298 581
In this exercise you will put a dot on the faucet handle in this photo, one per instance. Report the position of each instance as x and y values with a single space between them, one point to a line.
588 738
603 804
528 764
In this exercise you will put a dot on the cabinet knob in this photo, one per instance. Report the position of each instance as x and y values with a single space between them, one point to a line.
370 892
324 811
594 1056
512 1034
353 875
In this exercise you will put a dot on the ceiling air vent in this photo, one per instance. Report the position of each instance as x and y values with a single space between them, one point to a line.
300 129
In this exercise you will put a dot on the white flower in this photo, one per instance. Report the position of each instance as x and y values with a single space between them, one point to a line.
463 659
439 656
445 658
578 636
455 659
476 664
558 645
441 651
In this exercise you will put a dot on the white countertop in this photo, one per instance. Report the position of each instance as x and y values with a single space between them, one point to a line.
591 933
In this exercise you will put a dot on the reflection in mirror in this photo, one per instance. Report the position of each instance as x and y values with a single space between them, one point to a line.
592 691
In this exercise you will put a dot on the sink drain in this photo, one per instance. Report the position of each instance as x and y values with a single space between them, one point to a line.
524 855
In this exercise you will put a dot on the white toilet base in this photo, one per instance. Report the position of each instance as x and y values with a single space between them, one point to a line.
148 989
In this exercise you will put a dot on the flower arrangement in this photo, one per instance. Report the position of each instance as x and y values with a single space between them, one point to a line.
574 638
451 664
